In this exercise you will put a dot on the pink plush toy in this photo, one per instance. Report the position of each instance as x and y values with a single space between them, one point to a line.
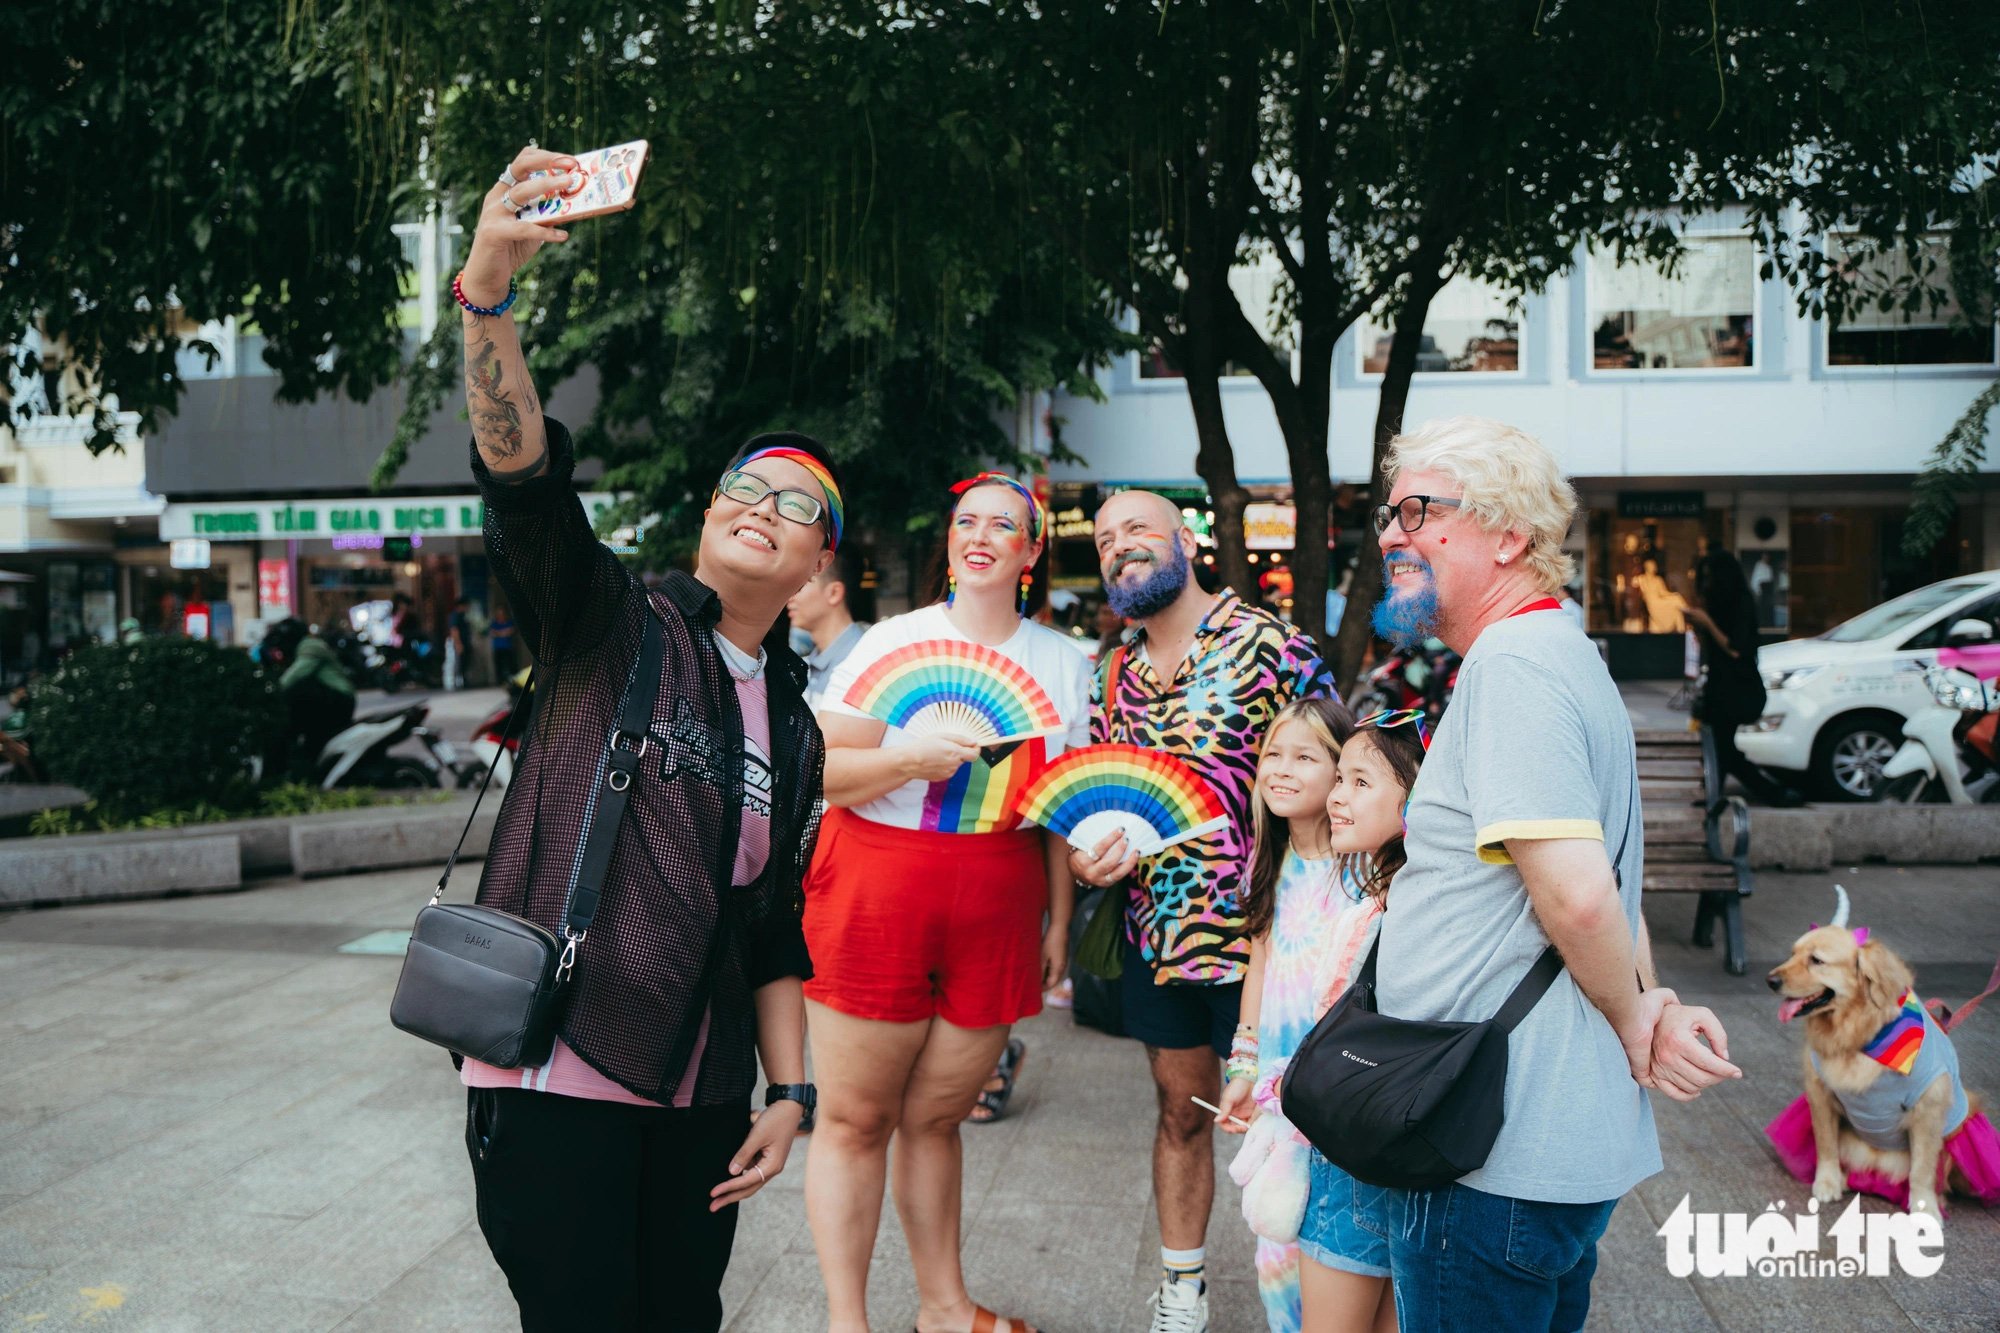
1272 1167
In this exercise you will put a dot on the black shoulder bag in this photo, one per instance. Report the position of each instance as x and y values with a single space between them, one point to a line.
1400 1102
490 985
1403 1102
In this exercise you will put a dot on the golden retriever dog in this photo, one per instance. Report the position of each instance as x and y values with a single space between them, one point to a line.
1856 997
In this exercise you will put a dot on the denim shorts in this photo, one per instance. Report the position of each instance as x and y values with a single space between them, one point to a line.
1345 1225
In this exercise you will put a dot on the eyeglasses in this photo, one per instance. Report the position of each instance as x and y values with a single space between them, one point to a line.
747 488
1410 511
1398 717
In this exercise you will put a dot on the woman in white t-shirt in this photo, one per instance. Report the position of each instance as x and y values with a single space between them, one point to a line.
925 917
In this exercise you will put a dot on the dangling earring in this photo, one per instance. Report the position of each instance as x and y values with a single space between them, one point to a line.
1027 582
950 587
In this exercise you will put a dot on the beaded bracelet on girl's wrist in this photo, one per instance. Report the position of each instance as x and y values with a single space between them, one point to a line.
458 293
1240 1067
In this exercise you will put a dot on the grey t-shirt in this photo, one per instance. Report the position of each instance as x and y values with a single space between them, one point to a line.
1536 744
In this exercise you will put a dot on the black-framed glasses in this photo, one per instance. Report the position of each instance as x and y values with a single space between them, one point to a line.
747 488
1409 511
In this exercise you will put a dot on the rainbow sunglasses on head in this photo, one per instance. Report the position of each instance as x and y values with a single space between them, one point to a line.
1396 717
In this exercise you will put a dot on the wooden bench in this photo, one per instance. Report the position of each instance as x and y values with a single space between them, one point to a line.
1680 786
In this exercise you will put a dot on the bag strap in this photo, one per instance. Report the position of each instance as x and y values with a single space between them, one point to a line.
635 721
1528 992
513 715
1114 669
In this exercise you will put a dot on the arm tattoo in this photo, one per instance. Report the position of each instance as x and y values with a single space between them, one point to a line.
496 420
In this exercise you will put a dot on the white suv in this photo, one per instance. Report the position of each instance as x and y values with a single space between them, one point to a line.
1838 702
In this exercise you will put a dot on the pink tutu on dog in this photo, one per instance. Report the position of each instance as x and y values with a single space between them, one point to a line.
1974 1147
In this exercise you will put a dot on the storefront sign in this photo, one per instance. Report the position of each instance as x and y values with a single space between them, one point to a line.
274 588
189 553
1269 527
1073 522
1661 504
248 521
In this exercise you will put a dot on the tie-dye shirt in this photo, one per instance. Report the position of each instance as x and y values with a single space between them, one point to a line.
1186 909
1321 928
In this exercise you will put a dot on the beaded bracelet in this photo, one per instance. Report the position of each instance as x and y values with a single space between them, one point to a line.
458 291
1239 1066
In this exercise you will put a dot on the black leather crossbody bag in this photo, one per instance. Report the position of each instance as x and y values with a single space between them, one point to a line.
1394 1101
1408 1103
490 985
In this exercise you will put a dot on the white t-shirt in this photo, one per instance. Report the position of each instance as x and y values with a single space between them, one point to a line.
980 797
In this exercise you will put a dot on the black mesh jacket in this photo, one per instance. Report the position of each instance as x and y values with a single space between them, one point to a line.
671 938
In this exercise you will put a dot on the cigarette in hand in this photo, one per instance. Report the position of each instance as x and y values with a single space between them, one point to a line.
1210 1106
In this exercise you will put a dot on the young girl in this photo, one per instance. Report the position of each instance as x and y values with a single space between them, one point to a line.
1310 930
1290 905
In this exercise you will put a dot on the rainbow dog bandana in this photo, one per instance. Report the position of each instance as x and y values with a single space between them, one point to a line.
1896 1045
835 511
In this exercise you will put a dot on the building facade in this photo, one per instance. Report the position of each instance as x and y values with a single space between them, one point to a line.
241 510
1700 405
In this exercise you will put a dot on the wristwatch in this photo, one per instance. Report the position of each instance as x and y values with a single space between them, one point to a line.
805 1094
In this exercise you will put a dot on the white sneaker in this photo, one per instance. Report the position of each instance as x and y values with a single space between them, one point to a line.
1179 1307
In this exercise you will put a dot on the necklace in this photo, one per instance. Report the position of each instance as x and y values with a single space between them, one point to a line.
731 655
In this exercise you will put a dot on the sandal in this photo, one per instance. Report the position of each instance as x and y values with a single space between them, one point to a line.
993 1101
985 1321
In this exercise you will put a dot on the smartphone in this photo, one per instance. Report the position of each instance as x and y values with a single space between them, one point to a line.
609 184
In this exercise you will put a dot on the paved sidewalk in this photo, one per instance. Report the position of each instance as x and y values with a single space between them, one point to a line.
206 1123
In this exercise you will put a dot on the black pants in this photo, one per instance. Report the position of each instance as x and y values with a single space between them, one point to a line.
318 714
1732 762
598 1212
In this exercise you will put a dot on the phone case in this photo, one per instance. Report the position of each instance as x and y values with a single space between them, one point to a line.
610 184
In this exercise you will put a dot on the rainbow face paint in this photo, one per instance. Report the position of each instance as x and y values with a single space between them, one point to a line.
1037 520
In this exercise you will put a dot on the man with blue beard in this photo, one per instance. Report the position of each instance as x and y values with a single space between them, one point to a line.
1523 835
1200 679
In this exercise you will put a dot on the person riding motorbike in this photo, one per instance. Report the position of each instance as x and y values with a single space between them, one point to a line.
318 696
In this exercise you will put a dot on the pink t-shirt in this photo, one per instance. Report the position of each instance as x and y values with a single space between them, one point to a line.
566 1073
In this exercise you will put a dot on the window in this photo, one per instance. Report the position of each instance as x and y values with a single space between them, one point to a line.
410 309
1469 327
1888 618
1934 636
1928 335
1697 318
1258 290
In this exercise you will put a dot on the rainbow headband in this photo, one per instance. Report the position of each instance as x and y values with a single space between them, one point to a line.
835 511
1037 520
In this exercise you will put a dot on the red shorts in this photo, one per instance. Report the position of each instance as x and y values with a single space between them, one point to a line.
903 924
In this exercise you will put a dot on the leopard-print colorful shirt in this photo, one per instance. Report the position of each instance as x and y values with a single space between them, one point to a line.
1244 666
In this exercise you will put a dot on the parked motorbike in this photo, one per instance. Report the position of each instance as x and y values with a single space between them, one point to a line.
488 747
359 756
1420 677
1948 753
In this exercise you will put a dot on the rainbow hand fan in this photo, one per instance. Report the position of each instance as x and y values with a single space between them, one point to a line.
963 689
1154 799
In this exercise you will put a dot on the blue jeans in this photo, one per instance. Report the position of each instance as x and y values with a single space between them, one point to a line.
1466 1259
